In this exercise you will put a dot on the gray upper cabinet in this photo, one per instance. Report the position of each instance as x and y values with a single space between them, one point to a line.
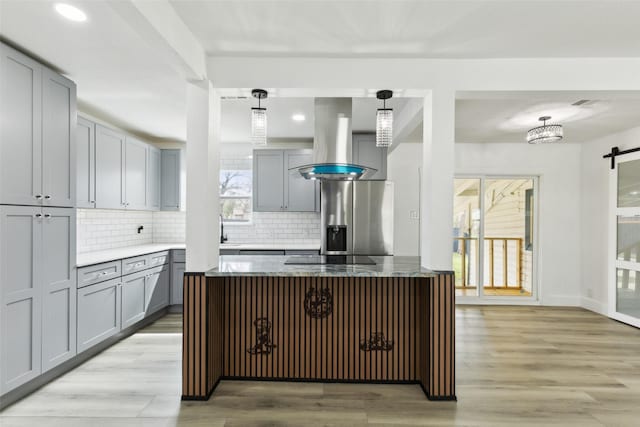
21 142
276 189
85 164
171 179
365 153
20 294
58 140
268 180
110 151
153 178
299 193
59 286
135 174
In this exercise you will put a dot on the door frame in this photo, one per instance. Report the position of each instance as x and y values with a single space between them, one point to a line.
612 262
482 299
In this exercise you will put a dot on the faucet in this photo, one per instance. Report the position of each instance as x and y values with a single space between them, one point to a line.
223 238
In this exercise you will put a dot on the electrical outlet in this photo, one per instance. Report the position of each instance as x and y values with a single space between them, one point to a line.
414 215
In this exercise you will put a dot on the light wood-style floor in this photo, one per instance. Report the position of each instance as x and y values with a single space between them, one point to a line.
515 366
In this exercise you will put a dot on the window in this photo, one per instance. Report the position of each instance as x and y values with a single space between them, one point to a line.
235 195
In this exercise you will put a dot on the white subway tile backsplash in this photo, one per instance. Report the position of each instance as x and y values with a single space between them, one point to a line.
99 229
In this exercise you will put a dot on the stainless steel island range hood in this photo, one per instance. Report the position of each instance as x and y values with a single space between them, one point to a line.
332 143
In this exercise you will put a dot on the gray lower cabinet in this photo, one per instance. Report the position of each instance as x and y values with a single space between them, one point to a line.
99 308
365 153
177 279
154 177
135 171
37 133
38 310
133 298
157 289
21 294
171 180
59 286
85 164
276 188
110 151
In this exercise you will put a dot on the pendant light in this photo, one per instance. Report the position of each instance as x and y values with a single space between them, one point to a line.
384 120
545 133
259 119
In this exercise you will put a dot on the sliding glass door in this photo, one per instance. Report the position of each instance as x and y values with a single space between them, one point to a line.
624 294
494 237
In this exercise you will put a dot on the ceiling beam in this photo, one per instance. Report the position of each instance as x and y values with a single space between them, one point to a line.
159 24
407 120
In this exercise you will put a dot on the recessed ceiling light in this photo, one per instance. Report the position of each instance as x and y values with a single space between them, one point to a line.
72 13
298 117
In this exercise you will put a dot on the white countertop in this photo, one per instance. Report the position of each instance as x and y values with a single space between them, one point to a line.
89 258
272 246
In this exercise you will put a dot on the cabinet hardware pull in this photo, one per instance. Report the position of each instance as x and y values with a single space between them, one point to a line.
47 215
47 197
38 196
38 215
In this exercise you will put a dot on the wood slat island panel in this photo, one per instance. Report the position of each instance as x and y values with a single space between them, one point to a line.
319 328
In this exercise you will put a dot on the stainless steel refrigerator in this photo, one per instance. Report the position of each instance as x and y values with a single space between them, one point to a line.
357 218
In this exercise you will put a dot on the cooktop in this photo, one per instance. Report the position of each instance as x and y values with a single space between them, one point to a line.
329 260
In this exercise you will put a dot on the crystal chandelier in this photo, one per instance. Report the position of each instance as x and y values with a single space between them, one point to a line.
545 133
259 119
384 120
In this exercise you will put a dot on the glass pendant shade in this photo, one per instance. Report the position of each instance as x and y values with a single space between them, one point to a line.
384 127
545 133
259 126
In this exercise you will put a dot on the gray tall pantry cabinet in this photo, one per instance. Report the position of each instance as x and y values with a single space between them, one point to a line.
37 219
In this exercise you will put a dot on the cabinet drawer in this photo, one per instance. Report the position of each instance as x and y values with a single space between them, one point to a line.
179 255
158 258
99 273
138 263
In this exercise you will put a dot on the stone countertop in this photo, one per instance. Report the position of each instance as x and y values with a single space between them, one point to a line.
272 246
274 265
97 257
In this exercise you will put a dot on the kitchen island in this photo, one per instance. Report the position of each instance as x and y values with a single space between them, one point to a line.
257 318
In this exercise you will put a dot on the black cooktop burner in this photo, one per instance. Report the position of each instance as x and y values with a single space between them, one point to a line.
329 260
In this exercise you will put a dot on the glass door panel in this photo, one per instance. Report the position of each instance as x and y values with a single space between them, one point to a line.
508 237
466 232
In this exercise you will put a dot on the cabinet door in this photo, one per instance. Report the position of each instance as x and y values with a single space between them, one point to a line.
98 313
268 180
59 286
177 278
85 164
58 140
157 289
365 153
109 168
153 178
170 182
300 193
133 298
21 128
135 174
20 294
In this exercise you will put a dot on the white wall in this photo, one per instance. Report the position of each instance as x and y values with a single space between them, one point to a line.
558 168
594 208
402 168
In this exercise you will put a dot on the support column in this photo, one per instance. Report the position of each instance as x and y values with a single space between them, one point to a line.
436 190
203 207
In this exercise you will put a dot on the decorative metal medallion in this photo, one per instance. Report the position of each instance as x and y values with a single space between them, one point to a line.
376 342
318 304
264 345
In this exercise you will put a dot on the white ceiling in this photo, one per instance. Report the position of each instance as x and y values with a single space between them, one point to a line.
119 77
415 28
236 118
506 116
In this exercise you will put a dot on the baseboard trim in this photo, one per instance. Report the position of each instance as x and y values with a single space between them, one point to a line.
594 305
26 389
